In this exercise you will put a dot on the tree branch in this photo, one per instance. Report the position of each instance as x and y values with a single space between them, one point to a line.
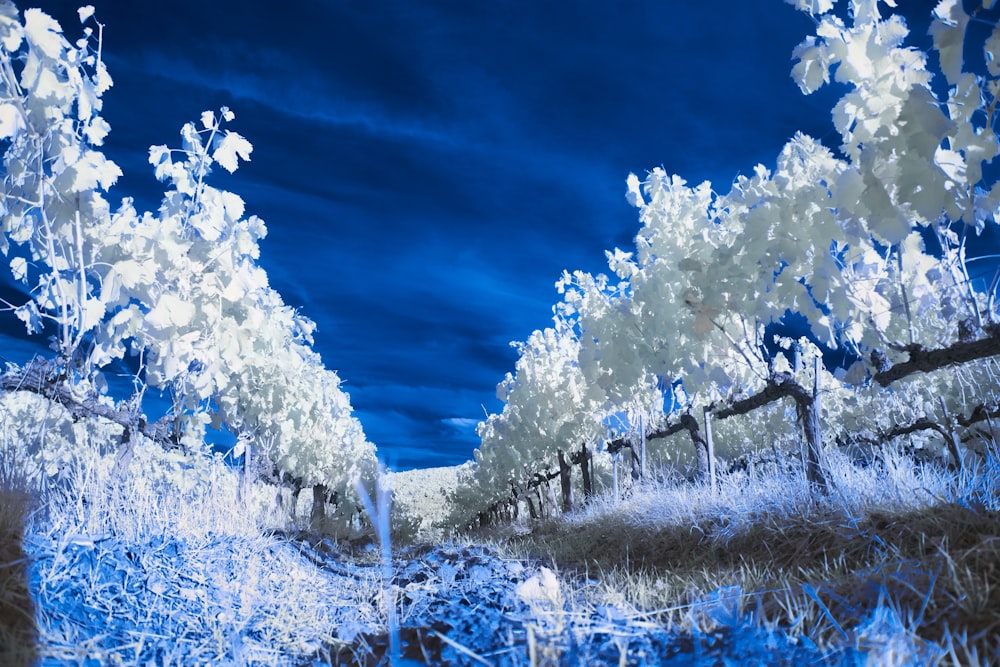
779 385
923 361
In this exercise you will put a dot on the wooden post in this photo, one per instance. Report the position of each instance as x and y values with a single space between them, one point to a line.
710 447
532 512
246 473
808 413
551 495
642 448
614 475
588 484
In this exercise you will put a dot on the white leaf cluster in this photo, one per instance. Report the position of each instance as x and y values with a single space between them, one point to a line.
868 243
180 287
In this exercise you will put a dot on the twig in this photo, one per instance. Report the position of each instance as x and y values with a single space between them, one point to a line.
462 649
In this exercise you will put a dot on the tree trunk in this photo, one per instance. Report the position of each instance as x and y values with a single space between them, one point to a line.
124 456
318 512
532 512
565 482
702 455
951 438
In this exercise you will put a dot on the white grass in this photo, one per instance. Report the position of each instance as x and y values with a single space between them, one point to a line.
894 484
167 564
170 565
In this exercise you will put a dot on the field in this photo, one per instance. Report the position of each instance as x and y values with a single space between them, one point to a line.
173 565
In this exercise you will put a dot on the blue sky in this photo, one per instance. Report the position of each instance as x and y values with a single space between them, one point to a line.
428 169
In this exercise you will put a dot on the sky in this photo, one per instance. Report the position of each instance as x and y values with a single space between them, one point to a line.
427 169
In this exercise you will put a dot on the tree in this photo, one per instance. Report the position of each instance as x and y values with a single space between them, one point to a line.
179 288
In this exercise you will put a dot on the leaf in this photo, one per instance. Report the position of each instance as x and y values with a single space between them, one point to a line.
132 273
85 12
93 170
231 146
813 7
97 129
952 164
159 157
11 31
190 140
634 193
170 311
47 86
209 223
44 33
19 268
93 313
948 31
28 313
10 121
104 81
208 120
233 205
813 68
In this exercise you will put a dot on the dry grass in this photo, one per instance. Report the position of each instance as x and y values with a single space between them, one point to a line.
17 625
918 545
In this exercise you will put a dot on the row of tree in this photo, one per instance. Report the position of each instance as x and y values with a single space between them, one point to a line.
868 244
179 289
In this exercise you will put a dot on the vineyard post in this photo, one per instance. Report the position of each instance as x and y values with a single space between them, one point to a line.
614 475
246 474
532 512
551 494
636 473
808 412
642 448
588 485
710 447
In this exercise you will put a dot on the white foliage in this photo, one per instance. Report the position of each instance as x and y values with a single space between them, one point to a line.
230 146
838 239
44 33
180 286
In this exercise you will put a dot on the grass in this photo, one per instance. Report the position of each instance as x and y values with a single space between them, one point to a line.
17 635
915 548
169 564
166 566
